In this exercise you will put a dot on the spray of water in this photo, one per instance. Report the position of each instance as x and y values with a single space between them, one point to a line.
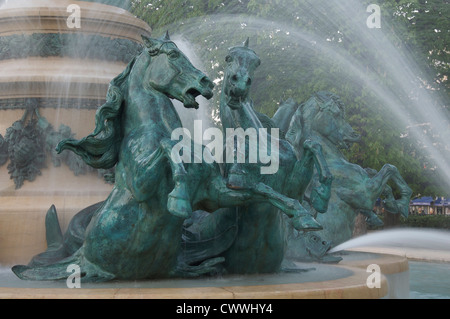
284 48
203 113
409 237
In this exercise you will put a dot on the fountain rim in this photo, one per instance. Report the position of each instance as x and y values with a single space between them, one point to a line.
353 286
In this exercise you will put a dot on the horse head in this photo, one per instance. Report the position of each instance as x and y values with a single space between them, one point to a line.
322 114
170 72
241 64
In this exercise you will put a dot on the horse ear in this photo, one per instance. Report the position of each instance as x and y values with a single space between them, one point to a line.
246 42
167 37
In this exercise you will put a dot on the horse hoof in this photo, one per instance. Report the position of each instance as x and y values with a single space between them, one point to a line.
397 206
179 207
403 207
320 198
306 223
390 206
374 221
236 181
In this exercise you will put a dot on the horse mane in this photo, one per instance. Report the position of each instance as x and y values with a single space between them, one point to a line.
300 126
100 149
268 123
325 96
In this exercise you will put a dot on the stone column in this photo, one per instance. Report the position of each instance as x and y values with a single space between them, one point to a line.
57 58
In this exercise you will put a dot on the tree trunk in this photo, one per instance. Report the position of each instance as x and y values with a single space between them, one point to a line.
360 227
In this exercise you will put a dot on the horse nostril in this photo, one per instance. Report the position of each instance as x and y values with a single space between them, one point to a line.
249 82
234 78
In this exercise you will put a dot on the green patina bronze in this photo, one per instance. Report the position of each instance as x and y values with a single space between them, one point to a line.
29 141
354 190
136 233
260 237
54 103
67 45
3 150
168 217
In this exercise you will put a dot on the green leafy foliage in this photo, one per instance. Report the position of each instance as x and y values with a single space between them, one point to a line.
426 221
324 39
124 4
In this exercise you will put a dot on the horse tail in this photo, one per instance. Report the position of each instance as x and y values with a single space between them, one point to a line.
210 235
100 149
57 271
61 246
63 269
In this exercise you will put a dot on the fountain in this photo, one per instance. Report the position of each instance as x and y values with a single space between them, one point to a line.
348 279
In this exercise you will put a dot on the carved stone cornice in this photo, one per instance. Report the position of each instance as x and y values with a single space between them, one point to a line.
79 45
56 77
50 16
68 103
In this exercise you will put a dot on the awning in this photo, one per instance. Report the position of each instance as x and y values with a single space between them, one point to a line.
428 201
423 201
442 202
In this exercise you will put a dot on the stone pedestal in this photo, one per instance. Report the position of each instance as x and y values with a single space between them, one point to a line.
66 72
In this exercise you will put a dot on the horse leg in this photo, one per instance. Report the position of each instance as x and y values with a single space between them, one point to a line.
378 184
313 157
371 218
235 172
389 199
301 218
320 195
178 202
143 174
261 193
402 203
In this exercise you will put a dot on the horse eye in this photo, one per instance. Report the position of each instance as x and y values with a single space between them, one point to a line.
153 52
173 54
228 59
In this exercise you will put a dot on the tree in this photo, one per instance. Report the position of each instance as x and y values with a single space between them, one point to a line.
311 45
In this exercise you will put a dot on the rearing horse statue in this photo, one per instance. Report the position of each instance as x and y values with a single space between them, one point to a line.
259 245
125 236
136 233
354 190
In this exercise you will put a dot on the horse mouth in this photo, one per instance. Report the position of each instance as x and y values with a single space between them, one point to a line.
191 94
234 102
348 140
352 138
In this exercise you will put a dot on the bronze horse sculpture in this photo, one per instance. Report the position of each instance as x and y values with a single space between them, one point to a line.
136 232
259 241
354 190
133 130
